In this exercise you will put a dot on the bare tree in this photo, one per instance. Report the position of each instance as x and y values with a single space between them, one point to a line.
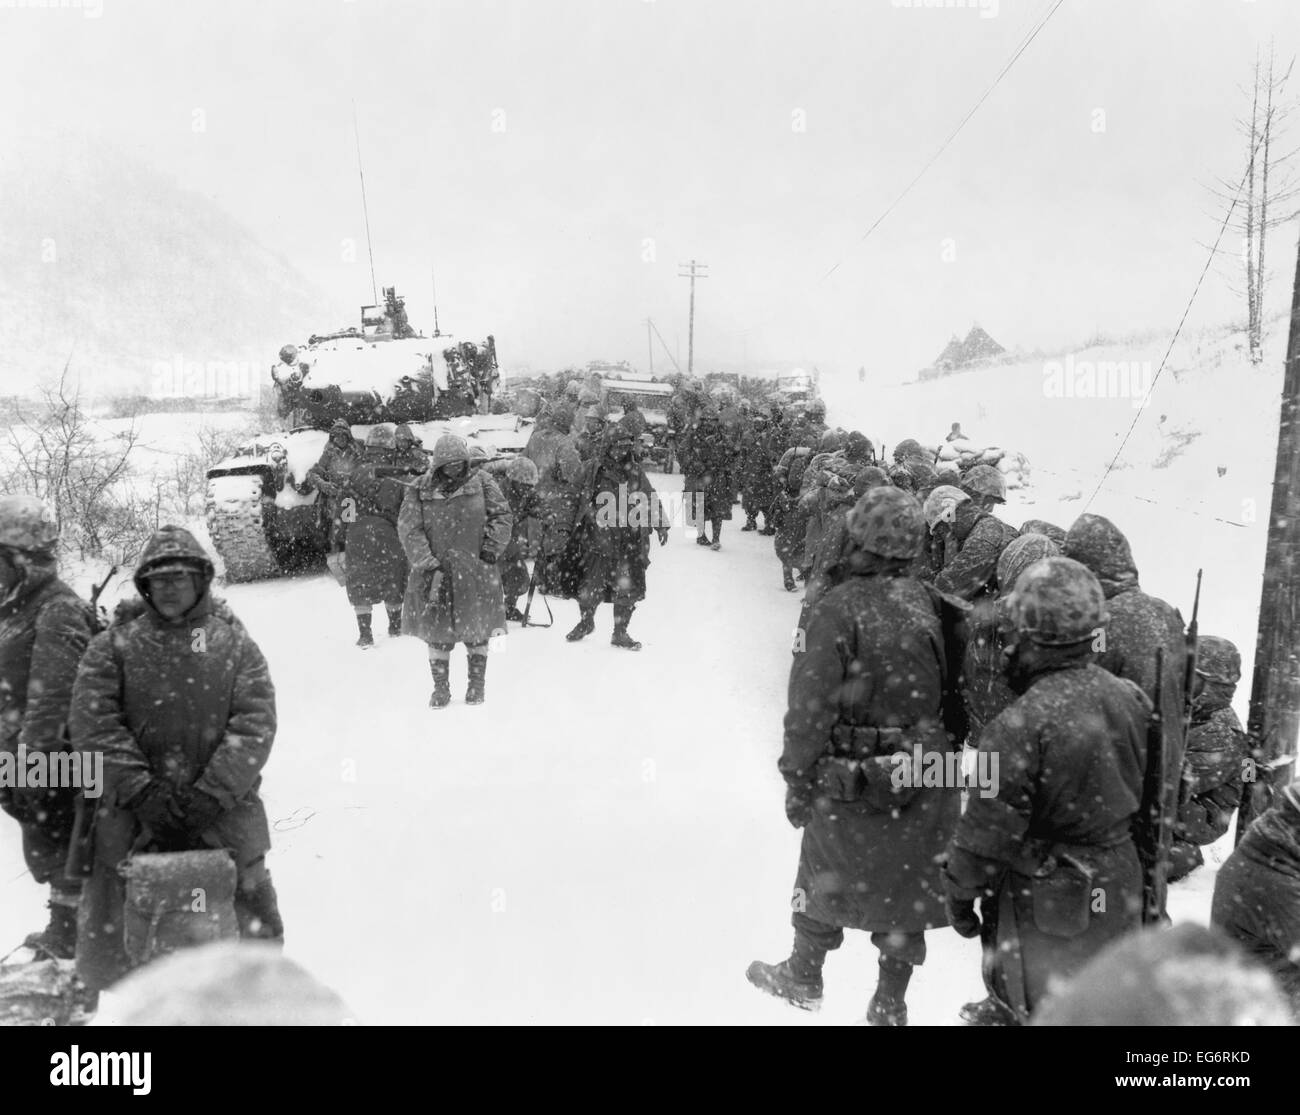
1266 196
82 472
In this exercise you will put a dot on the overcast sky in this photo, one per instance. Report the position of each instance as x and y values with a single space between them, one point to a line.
555 160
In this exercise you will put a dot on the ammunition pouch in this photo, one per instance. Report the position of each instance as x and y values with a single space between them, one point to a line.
860 767
1060 891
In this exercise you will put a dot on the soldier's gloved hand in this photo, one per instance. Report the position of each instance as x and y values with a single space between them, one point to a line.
157 807
487 557
798 807
199 810
663 535
962 916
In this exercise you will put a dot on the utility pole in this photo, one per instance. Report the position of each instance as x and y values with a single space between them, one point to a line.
696 272
650 347
1274 717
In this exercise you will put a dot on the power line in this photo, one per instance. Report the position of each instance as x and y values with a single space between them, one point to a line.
1033 34
1209 262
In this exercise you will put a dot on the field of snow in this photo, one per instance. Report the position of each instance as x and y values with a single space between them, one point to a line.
604 841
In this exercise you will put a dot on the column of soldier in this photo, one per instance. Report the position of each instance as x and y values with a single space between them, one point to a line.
929 623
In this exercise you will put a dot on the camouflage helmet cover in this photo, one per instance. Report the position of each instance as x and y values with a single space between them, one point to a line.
887 522
26 524
1217 659
522 471
985 480
941 503
1057 602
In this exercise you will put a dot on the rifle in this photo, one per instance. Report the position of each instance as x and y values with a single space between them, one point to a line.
1189 676
528 604
1153 816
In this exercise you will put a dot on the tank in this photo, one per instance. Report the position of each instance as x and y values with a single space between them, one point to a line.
263 517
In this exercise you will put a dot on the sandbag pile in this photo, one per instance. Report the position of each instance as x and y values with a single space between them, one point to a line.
958 456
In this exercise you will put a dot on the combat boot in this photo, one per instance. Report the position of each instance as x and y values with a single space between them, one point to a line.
394 620
703 539
788 579
367 638
751 523
440 668
796 983
477 676
987 1012
622 617
58 940
586 625
887 1007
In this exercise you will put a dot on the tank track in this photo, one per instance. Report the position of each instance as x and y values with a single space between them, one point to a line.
238 529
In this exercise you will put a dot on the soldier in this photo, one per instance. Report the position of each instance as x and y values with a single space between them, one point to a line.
756 480
44 629
593 432
709 460
1257 893
1216 754
632 412
816 419
454 525
179 702
871 844
519 486
1060 880
410 454
940 513
617 510
1043 527
977 537
912 457
329 476
376 567
1138 625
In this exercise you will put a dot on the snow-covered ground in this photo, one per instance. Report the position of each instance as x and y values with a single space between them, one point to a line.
604 841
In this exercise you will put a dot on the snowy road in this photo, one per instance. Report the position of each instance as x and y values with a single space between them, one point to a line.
602 842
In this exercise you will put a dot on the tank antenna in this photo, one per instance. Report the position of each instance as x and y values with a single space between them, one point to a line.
433 281
365 209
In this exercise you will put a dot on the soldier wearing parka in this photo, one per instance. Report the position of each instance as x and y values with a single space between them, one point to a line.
976 537
1215 759
454 526
1139 623
329 476
44 629
376 566
873 688
618 510
178 700
1050 854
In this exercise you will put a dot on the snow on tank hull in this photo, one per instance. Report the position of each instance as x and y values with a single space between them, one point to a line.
265 523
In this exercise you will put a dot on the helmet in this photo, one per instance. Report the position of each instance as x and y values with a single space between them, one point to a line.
477 454
941 503
908 447
381 437
573 389
172 549
26 524
868 478
587 397
887 522
858 447
816 409
448 450
340 426
1057 602
289 354
562 418
1019 554
985 480
832 441
1218 660
405 433
522 471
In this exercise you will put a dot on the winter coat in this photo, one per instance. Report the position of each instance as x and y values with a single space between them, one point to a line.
330 473
1212 768
1257 893
189 702
975 541
455 528
1070 756
525 515
613 534
757 484
877 654
376 566
44 629
558 466
709 460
